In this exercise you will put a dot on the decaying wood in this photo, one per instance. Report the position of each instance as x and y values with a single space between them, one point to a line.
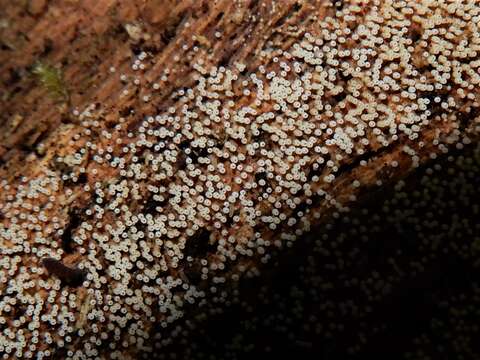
93 42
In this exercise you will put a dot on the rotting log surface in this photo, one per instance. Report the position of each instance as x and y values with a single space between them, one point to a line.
93 43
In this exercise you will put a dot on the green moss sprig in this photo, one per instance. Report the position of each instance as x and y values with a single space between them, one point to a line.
52 80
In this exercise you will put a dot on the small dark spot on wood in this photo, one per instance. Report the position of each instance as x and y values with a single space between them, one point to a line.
297 6
110 124
68 276
253 4
5 47
18 311
82 178
196 153
317 170
338 4
301 208
151 205
344 76
47 47
260 176
415 34
66 239
184 144
127 111
14 77
176 95
171 29
199 244
181 160
66 119
225 60
219 17
465 118
193 271
136 49
132 126
32 140
339 97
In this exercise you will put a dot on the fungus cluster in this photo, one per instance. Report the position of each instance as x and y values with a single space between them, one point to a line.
176 207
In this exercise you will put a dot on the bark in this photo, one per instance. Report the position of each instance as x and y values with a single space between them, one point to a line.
92 43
